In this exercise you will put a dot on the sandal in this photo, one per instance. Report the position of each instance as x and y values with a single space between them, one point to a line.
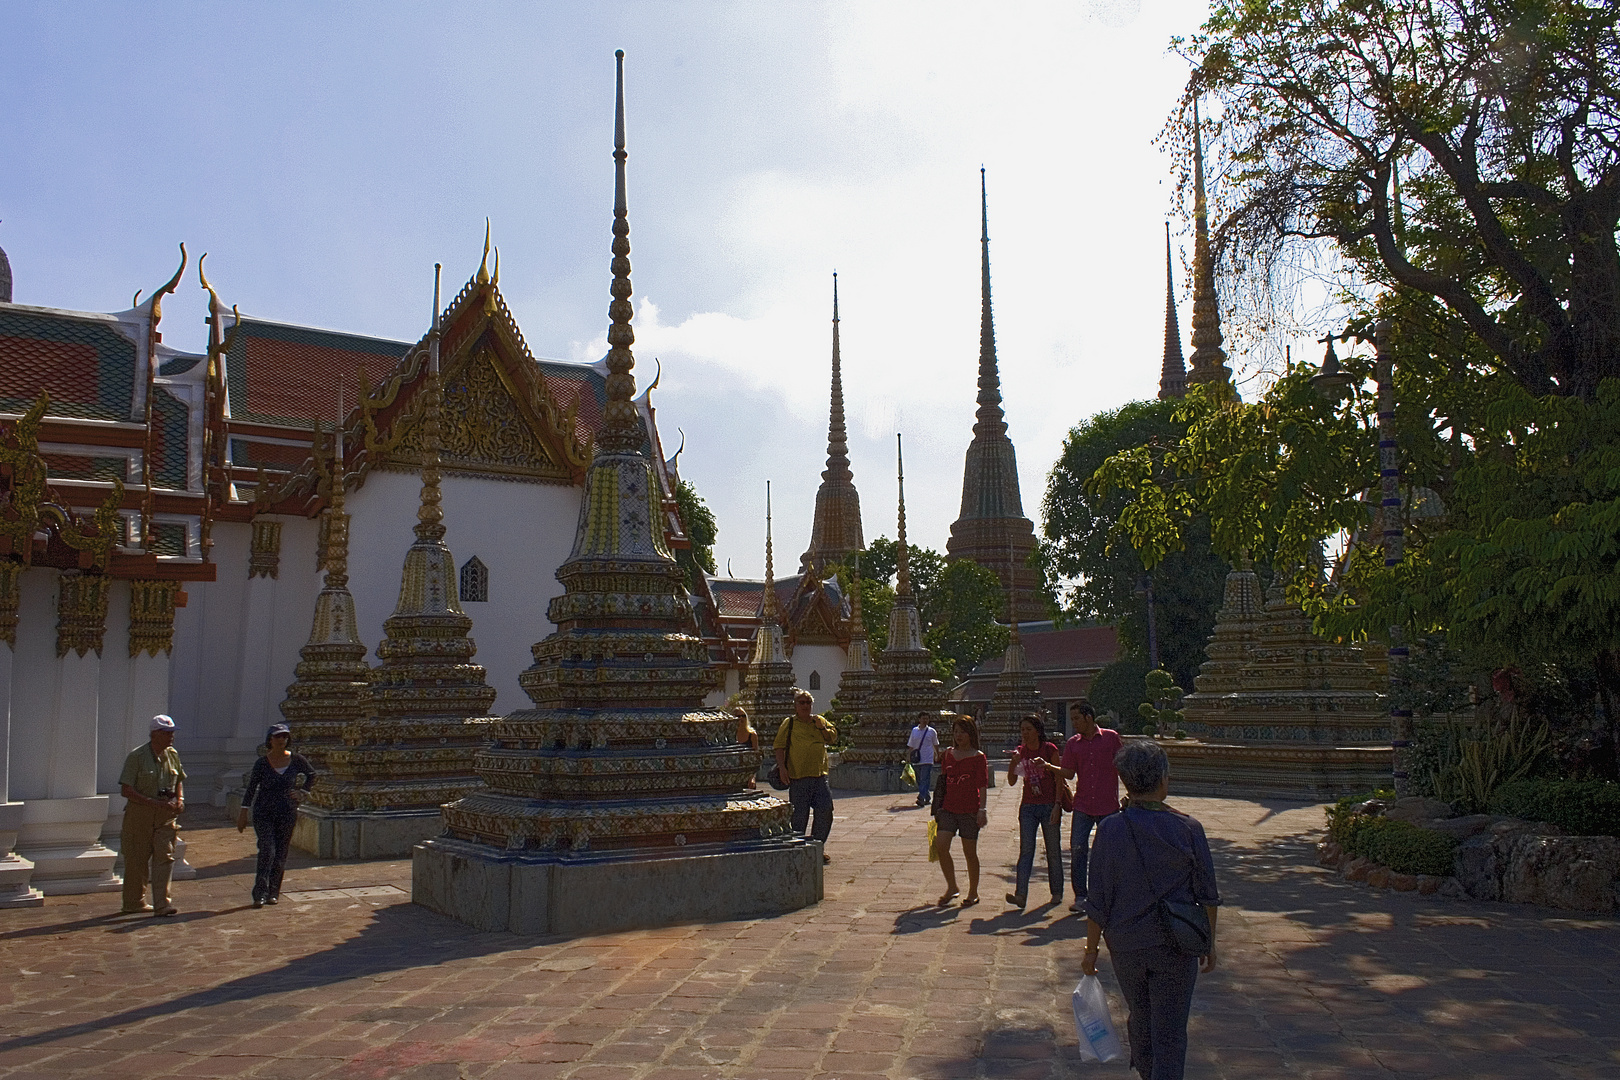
948 897
970 901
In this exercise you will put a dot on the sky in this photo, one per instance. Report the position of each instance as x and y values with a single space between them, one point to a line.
326 156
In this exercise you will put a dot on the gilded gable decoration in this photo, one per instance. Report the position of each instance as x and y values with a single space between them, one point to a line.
151 616
10 595
264 558
81 612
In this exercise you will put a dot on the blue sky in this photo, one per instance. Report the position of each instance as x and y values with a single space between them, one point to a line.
325 156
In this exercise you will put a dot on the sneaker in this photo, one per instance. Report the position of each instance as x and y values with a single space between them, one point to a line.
1075 907
1015 900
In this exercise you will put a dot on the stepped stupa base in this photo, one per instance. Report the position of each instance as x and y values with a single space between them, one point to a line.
606 892
364 834
868 776
1304 772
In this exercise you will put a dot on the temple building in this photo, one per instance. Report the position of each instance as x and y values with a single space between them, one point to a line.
991 529
1061 662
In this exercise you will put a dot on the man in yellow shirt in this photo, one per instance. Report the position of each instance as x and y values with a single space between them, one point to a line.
801 758
154 784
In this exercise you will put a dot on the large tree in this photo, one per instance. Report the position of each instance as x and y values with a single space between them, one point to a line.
1465 150
701 530
1088 561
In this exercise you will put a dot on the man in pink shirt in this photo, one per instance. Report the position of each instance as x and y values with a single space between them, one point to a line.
1089 755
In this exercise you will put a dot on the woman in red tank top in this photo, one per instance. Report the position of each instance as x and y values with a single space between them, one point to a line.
966 773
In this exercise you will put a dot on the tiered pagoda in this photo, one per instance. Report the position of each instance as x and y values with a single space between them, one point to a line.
1015 697
836 531
617 802
903 685
767 682
1173 372
428 701
991 529
1208 358
332 684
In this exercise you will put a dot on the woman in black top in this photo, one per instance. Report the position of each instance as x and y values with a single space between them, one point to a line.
273 794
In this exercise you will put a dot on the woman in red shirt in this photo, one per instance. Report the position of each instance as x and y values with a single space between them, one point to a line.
966 773
1035 761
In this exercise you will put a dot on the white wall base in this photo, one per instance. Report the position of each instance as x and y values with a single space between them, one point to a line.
62 837
15 871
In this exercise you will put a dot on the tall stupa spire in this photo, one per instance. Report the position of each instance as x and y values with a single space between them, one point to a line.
903 568
618 762
1208 358
991 529
766 690
1173 375
836 530
770 564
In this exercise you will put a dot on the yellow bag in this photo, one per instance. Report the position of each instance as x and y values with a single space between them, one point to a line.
933 836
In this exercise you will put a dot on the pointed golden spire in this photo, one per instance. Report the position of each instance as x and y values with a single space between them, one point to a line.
1208 358
430 514
619 429
1173 373
483 267
991 419
835 530
337 530
768 609
902 569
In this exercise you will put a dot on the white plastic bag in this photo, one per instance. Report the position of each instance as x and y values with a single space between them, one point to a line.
1093 1023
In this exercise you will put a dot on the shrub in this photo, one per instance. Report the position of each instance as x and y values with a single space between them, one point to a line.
1406 848
1340 813
1478 756
1581 807
1118 687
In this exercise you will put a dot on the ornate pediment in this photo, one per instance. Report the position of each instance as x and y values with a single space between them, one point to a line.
485 428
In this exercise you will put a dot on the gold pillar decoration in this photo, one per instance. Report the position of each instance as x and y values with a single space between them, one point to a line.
151 616
81 613
265 557
10 595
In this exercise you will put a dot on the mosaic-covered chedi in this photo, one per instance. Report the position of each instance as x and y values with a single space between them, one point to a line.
767 682
904 683
617 801
427 699
1015 697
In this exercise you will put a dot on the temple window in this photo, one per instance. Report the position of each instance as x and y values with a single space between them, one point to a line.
474 581
815 680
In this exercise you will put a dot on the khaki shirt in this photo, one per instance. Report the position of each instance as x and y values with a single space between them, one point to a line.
149 773
808 754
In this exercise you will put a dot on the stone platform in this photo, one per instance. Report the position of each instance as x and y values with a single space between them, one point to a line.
1294 771
534 894
866 776
371 834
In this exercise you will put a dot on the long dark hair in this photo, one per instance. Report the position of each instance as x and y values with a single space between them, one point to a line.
967 724
1039 725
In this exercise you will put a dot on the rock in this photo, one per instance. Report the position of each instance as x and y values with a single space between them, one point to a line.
1372 807
1378 876
1329 854
1576 873
1356 869
1452 889
1428 884
1462 827
1402 882
1417 808
1479 866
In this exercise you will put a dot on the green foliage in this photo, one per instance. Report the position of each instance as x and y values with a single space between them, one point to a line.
701 530
1399 845
959 614
1159 712
1479 755
1117 688
1087 560
1580 807
1341 816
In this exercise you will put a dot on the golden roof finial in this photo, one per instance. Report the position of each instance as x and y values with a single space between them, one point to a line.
337 529
430 515
1173 372
1208 358
483 267
619 432
768 608
902 566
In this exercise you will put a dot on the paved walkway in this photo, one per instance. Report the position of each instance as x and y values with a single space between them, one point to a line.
346 978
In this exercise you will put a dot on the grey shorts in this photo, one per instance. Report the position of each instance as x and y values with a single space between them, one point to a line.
964 825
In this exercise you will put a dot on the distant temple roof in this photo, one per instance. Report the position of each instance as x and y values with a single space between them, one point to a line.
1063 662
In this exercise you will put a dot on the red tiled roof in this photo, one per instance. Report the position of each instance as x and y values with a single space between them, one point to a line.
300 381
1077 647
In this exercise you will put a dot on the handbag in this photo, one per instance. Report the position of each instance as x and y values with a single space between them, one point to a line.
774 776
937 800
1185 925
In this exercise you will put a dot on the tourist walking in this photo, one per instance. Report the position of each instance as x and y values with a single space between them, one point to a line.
1088 760
1143 857
962 809
924 742
153 785
1035 762
748 737
272 798
801 759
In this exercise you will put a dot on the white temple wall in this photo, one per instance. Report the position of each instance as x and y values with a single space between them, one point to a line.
15 871
825 660
133 690
520 531
54 745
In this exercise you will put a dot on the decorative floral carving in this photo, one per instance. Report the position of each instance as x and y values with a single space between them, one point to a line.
10 594
151 616
264 559
81 613
483 428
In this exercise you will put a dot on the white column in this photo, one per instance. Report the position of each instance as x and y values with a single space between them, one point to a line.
257 693
54 721
15 871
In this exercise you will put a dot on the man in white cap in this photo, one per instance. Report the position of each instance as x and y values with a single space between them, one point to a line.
153 782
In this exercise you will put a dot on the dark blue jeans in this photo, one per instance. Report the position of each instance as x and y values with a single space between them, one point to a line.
274 831
1032 816
807 793
1080 850
925 781
1157 984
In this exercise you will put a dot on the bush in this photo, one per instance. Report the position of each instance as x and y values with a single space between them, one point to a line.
1580 807
1406 848
1118 687
1339 815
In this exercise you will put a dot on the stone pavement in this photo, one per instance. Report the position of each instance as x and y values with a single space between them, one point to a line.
346 978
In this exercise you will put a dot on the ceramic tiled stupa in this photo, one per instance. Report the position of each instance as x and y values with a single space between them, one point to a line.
1015 697
617 801
835 531
428 700
767 682
332 680
904 685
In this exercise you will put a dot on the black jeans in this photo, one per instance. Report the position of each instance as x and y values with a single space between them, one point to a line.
1158 988
274 831
1080 850
807 793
